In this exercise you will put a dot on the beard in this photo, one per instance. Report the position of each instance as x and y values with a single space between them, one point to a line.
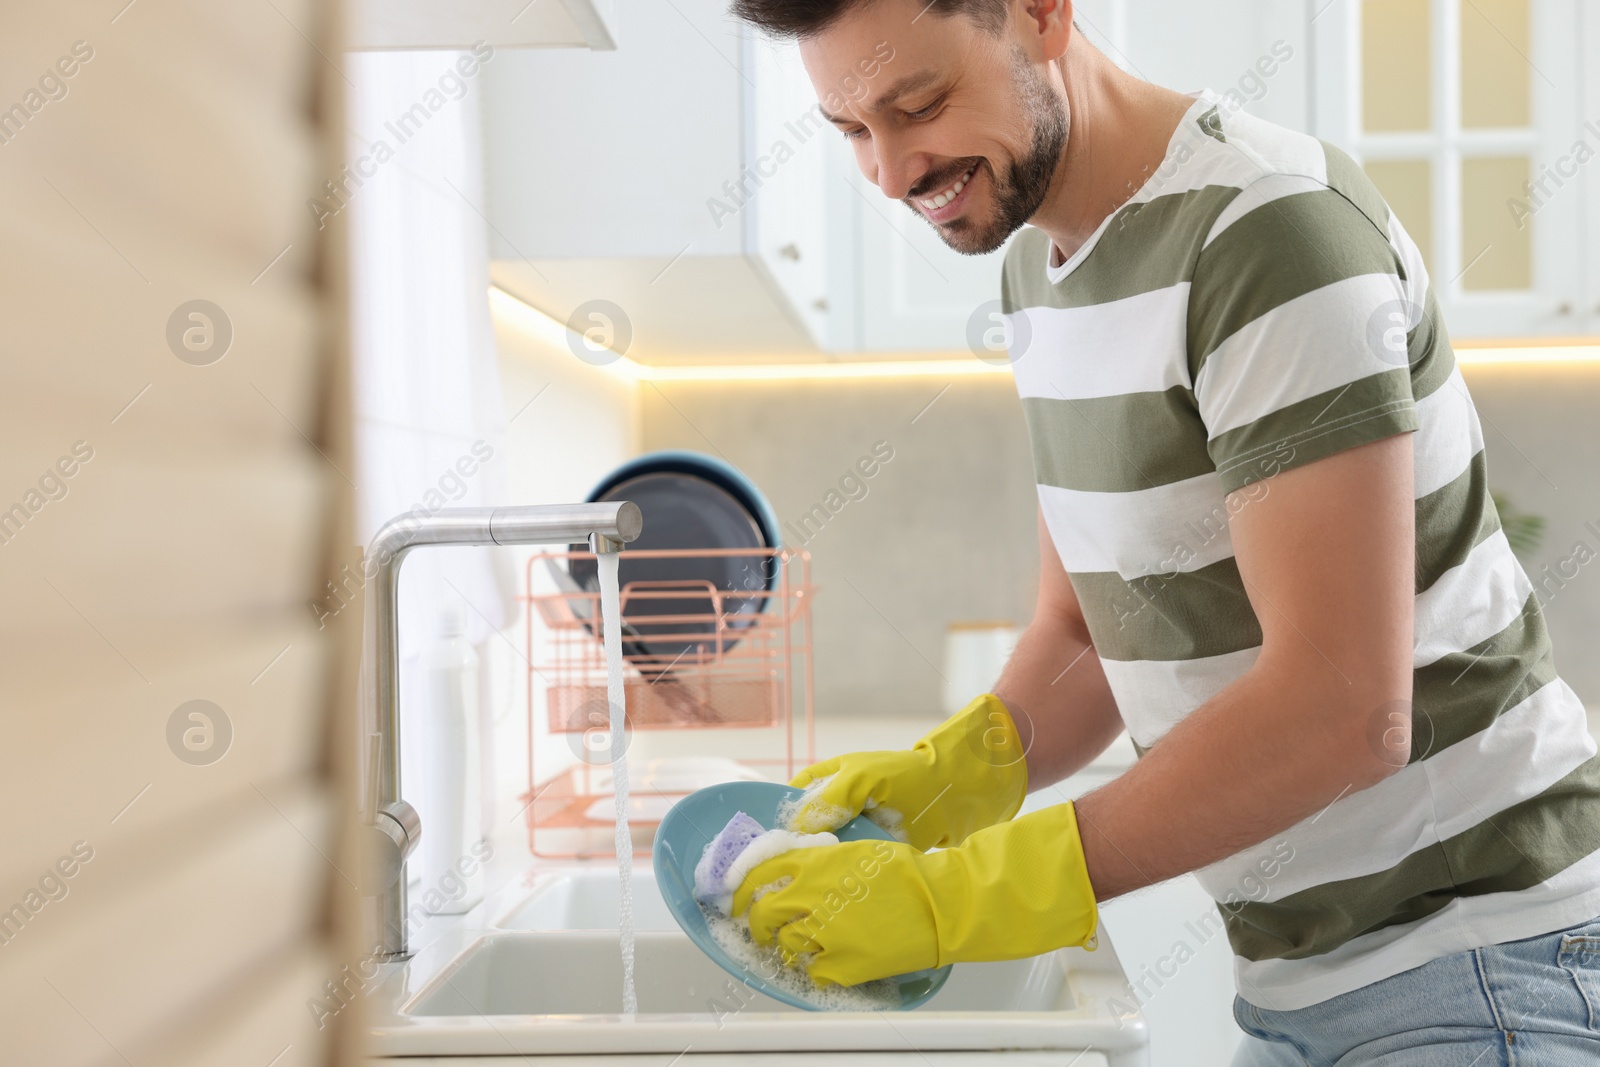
1019 192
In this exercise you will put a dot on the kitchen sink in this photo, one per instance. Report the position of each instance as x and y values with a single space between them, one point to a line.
536 971
587 900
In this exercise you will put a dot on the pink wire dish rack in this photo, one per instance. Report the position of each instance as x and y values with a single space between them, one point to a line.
696 657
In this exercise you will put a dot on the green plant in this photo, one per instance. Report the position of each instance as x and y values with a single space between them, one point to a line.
1523 530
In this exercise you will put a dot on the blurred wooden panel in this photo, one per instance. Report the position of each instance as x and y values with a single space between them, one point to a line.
170 140
152 928
98 365
130 543
254 1020
173 557
268 687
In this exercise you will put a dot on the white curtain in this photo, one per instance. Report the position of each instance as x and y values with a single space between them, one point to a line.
429 421
428 406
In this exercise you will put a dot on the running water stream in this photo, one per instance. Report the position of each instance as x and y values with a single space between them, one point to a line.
616 697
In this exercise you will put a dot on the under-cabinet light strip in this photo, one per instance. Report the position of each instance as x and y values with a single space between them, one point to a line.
556 334
1572 352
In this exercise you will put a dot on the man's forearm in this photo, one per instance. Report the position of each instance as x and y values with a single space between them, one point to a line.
1278 745
1059 700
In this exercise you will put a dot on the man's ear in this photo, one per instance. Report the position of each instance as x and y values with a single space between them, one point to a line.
1053 24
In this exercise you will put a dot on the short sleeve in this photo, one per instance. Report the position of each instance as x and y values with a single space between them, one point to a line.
1298 312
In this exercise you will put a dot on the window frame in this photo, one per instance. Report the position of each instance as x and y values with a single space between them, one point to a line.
1554 304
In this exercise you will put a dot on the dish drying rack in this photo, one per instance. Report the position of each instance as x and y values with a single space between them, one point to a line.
695 656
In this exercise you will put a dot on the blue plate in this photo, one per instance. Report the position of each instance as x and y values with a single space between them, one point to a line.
689 501
683 836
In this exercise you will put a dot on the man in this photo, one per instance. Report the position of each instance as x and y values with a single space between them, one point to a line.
1268 553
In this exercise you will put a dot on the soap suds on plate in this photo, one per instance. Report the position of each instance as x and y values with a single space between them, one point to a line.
733 936
727 860
889 820
808 814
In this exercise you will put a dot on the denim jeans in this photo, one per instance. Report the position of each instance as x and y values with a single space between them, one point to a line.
1529 1003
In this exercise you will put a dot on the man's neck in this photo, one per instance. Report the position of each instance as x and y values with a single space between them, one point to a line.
1120 130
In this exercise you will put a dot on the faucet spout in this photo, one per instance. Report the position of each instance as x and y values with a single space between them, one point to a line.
389 824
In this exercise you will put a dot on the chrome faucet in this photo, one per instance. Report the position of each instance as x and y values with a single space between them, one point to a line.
389 825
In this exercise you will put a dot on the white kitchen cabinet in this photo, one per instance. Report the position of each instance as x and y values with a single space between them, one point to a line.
1256 48
1589 46
786 153
1452 106
460 24
1449 104
679 177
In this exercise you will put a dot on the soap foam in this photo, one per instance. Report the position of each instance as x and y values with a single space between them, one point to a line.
739 848
733 936
889 820
807 813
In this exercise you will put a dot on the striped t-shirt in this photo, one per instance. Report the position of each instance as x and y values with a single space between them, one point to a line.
1252 308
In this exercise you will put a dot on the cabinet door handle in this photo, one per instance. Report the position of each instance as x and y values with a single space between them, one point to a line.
790 251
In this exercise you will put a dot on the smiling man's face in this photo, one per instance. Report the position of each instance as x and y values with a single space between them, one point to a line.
959 123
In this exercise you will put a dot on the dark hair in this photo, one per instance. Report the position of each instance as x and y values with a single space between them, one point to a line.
806 18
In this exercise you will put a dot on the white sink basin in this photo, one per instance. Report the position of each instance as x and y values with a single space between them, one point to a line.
587 900
546 980
580 971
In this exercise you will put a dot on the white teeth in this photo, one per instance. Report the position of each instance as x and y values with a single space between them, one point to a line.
939 201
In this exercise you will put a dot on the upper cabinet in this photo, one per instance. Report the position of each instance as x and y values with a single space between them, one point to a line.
669 193
1477 119
686 185
1255 49
1589 47
460 24
785 182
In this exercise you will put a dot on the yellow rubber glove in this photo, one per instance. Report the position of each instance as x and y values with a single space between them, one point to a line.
968 773
861 910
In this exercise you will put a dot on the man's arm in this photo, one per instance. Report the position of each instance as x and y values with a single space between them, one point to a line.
1053 685
1327 558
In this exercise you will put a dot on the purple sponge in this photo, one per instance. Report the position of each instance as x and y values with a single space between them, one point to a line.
712 870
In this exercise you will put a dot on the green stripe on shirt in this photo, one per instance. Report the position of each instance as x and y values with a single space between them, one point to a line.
1145 247
1453 520
1083 444
1465 692
1515 849
1187 615
1365 410
1234 284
